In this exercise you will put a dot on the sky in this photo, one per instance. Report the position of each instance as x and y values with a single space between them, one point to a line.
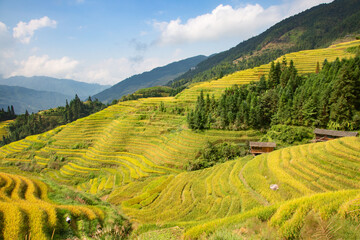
106 41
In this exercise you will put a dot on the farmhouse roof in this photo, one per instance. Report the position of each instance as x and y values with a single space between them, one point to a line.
335 133
262 144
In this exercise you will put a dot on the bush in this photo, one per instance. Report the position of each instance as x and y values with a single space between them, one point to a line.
285 135
216 153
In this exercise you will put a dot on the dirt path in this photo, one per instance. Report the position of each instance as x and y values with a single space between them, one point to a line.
256 195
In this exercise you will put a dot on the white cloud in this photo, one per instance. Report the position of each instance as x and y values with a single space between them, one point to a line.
108 71
222 22
44 66
295 6
3 28
114 70
6 49
5 42
25 31
225 21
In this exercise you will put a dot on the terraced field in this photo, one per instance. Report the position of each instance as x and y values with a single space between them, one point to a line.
3 130
321 177
26 211
306 169
123 143
133 154
189 196
305 61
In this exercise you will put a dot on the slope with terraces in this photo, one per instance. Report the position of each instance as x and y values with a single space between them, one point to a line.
27 212
134 153
3 128
305 62
319 177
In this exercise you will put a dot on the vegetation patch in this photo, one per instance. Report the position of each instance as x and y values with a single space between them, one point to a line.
327 99
285 135
215 153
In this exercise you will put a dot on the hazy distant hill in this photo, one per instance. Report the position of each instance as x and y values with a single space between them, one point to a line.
63 86
28 99
156 77
317 27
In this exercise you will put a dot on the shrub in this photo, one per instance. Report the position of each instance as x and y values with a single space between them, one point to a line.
216 153
285 135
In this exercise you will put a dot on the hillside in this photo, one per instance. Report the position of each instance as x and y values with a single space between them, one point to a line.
317 27
134 154
27 211
156 77
305 61
313 177
64 86
31 100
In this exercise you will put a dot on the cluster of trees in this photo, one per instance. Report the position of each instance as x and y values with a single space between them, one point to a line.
214 153
159 91
78 109
7 115
326 99
287 135
35 123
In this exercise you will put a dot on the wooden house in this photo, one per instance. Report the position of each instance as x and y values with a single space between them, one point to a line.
322 135
261 147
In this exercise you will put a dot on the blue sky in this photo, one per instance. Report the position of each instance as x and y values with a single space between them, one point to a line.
107 41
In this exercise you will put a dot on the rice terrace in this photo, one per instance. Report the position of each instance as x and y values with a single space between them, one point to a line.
178 162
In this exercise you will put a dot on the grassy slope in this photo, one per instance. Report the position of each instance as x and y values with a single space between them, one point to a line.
136 152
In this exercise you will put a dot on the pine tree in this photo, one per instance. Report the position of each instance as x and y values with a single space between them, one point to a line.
317 70
198 119
12 111
344 96
274 74
309 112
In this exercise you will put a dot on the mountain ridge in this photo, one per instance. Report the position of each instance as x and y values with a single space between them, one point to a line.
64 86
156 77
29 99
309 29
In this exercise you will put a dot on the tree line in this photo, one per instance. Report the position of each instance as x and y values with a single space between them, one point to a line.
325 99
36 123
7 115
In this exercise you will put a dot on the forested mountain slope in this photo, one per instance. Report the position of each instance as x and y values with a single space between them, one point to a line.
317 27
156 77
31 100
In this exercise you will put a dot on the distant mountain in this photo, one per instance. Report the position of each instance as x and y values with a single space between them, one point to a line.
317 27
156 77
63 86
28 99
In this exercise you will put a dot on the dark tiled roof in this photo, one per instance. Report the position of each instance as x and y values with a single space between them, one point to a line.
262 144
335 133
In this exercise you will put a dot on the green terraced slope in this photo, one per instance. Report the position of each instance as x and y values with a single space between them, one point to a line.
133 154
319 177
3 126
305 62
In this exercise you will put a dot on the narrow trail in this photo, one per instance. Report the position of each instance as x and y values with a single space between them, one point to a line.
256 195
